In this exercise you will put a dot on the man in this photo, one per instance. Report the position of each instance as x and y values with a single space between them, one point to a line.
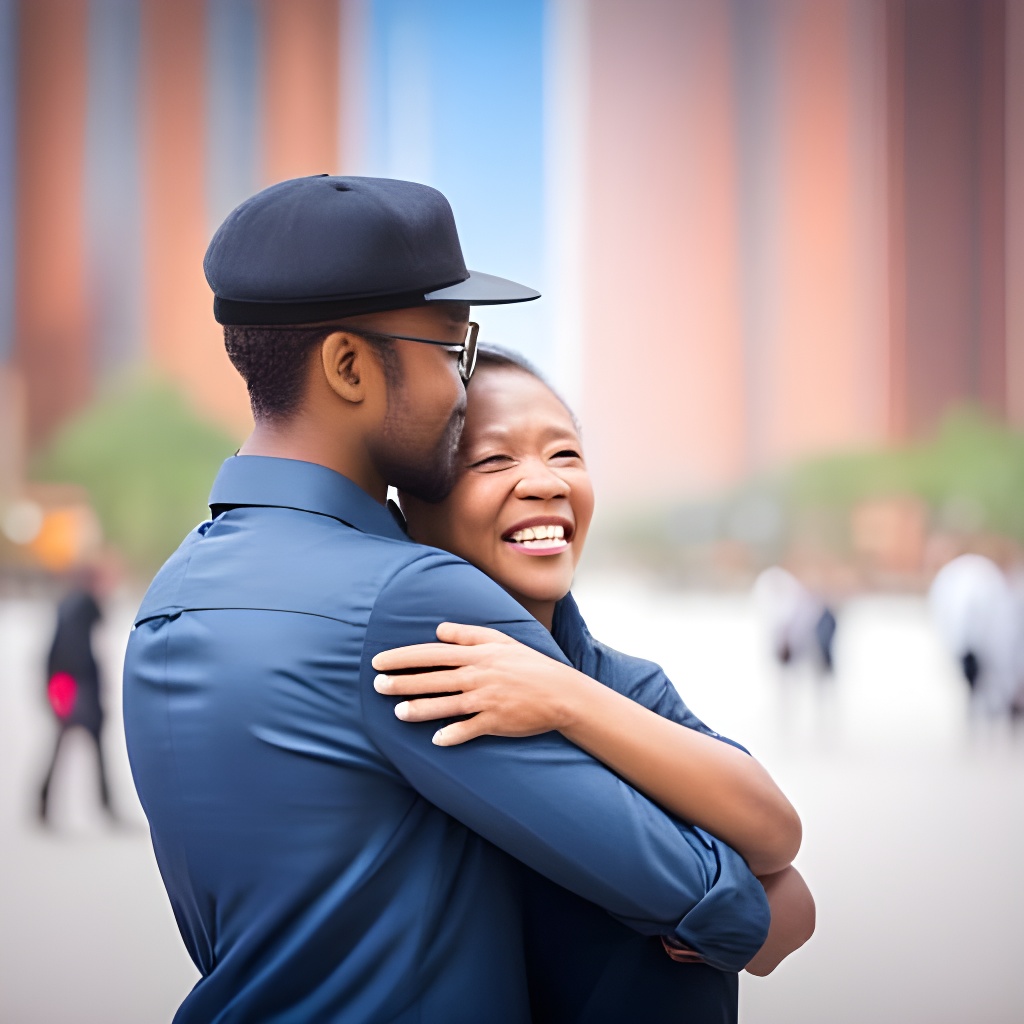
326 861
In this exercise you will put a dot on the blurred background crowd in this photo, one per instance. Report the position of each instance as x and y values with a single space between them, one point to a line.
780 244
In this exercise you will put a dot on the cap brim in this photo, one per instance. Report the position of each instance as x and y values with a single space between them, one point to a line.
483 290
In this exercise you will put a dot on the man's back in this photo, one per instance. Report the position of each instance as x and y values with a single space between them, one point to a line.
316 850
309 880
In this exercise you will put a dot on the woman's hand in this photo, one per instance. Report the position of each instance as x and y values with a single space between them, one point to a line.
793 915
509 688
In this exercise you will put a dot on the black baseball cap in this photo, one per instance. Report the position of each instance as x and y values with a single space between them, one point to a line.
321 248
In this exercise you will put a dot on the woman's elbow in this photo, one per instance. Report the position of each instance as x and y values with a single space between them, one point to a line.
782 834
791 834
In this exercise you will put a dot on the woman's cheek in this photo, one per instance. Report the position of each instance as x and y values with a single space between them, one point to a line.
474 521
584 504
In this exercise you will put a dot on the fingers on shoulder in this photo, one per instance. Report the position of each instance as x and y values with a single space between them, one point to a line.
468 635
427 655
427 708
459 732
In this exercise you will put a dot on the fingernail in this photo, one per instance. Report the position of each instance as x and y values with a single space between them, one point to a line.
380 683
438 738
402 708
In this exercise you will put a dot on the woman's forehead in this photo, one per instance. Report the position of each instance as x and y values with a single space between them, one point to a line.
503 399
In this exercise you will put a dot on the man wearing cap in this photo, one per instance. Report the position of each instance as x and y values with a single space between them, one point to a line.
324 860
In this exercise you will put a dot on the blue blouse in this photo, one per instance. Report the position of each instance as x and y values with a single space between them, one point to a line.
586 967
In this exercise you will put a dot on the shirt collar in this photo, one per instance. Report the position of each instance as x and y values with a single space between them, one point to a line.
288 483
570 632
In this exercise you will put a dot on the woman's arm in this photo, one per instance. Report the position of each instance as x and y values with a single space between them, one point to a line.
511 690
698 778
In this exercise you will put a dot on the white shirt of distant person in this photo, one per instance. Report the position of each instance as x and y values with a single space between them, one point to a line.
976 609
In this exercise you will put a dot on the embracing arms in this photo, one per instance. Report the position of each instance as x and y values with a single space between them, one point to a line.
511 690
547 802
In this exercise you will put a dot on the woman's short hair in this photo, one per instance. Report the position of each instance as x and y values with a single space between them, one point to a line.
489 354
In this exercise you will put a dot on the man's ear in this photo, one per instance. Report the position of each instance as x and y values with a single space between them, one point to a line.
345 359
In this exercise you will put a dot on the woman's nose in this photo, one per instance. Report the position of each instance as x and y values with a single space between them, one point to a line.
541 482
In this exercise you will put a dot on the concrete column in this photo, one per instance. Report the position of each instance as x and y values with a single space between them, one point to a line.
8 149
824 342
896 30
663 373
53 343
301 48
1015 213
990 200
185 341
949 189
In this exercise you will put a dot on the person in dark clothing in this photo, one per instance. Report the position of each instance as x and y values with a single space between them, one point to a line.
825 633
73 683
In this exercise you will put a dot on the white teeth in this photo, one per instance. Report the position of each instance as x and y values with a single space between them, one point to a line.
538 533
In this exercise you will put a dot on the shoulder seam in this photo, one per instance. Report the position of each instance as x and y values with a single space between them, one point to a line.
173 611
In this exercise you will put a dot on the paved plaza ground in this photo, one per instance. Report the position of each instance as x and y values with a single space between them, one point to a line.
913 822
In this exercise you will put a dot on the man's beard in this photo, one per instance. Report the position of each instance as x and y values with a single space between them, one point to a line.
431 477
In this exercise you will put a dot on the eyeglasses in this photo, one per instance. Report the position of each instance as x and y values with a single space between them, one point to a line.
466 350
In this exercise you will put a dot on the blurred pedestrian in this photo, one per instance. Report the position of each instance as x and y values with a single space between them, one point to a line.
73 680
801 626
974 611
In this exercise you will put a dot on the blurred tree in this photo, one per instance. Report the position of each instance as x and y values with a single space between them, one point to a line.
967 482
147 461
971 475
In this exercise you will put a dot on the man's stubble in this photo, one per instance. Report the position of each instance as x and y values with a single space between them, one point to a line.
429 476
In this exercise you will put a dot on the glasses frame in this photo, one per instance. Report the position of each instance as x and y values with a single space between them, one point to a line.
467 350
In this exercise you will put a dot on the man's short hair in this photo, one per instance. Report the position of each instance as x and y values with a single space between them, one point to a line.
274 363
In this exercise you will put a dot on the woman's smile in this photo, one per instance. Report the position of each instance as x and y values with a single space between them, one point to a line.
540 535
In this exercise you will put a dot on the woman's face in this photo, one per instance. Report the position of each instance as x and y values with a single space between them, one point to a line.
522 501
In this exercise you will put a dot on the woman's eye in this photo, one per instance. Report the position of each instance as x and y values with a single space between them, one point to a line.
567 453
492 462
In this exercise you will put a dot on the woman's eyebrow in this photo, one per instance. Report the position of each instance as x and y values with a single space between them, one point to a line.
496 433
559 430
549 430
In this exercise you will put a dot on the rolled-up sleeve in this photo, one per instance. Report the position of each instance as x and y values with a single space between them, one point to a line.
545 801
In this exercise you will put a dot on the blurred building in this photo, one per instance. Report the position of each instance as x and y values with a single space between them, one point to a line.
762 227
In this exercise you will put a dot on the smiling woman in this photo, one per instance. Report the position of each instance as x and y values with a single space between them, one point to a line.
520 510
523 500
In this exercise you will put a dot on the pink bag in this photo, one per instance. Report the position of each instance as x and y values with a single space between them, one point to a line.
61 691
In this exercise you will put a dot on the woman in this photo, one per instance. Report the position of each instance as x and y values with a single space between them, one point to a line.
520 511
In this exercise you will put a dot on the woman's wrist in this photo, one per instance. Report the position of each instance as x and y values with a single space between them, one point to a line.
571 695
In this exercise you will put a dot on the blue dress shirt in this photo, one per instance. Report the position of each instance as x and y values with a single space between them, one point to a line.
324 860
